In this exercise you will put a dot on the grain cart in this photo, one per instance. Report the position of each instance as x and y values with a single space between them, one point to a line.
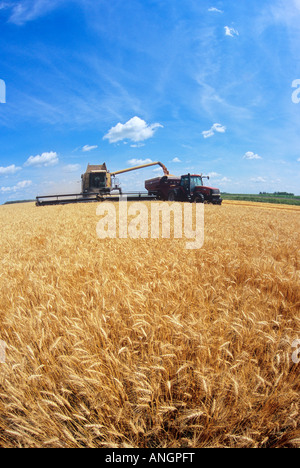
187 187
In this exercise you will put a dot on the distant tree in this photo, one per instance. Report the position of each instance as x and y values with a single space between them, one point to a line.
284 193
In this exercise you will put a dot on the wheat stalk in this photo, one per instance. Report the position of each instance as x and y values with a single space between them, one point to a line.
141 343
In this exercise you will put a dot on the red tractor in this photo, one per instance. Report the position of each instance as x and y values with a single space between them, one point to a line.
188 187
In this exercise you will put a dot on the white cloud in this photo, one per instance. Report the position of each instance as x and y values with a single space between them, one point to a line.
251 155
136 145
298 159
44 159
231 31
216 10
16 188
88 148
9 170
215 128
6 189
176 160
139 162
24 184
4 5
29 10
135 130
214 174
258 179
225 179
71 168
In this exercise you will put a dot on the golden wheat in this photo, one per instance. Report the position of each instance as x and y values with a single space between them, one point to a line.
142 343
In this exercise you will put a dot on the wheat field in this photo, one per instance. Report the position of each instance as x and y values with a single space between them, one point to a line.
141 343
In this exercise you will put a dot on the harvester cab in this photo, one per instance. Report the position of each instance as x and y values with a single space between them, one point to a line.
95 179
99 180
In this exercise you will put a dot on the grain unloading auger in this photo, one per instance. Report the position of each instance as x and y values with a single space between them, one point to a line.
98 184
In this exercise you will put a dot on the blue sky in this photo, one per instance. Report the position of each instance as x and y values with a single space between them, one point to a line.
202 86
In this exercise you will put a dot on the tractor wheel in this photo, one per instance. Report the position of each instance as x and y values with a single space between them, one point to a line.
171 196
199 198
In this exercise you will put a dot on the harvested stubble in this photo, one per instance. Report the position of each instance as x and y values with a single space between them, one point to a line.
142 343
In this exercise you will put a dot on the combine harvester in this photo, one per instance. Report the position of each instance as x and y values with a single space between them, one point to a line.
99 184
